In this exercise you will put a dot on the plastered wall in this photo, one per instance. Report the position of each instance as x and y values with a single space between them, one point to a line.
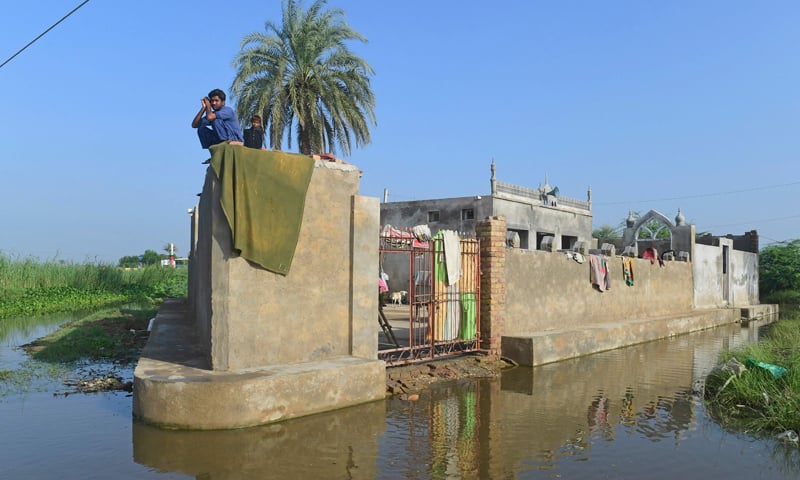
708 277
552 291
324 308
744 279
719 287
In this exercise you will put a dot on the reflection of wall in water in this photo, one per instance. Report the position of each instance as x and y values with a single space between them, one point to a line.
478 429
446 433
340 444
646 386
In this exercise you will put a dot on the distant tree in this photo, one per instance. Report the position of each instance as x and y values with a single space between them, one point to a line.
151 257
779 268
301 75
130 261
605 232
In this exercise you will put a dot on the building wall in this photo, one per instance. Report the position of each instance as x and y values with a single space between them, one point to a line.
324 308
409 214
708 279
747 242
712 281
744 279
548 291
523 215
536 218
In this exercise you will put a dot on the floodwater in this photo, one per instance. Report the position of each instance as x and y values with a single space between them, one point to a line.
626 414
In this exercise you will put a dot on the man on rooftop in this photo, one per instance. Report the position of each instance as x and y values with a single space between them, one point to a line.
216 122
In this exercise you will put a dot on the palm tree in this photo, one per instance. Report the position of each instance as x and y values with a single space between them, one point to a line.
300 75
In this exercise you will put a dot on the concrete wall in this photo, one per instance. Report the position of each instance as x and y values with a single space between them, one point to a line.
324 308
409 214
524 215
748 242
744 279
544 219
547 291
716 287
521 213
256 347
708 278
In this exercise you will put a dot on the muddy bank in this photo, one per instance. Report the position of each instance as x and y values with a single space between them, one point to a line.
408 380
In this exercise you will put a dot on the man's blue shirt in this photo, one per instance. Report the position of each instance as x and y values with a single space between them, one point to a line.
226 125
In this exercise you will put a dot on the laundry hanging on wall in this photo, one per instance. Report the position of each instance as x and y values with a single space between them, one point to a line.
598 272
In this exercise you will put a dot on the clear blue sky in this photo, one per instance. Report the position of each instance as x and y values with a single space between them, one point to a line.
655 105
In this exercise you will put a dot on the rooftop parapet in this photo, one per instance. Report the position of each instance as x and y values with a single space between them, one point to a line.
503 190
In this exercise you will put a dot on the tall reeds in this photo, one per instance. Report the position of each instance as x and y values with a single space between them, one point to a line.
27 273
28 285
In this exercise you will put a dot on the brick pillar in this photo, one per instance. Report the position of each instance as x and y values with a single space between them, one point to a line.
492 235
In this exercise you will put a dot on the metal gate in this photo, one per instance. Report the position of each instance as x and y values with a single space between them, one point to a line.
440 313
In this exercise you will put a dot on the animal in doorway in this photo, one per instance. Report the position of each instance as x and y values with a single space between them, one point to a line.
397 297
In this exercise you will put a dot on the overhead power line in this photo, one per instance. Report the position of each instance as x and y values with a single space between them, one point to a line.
43 33
751 222
699 195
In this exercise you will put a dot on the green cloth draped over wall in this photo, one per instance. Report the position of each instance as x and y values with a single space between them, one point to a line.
263 194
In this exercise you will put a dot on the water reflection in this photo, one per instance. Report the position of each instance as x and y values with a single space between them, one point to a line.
341 444
629 413
17 331
14 330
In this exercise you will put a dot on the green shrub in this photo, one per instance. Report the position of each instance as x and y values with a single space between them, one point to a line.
29 287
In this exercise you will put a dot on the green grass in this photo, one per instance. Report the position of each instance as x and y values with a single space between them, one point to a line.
32 287
109 334
756 402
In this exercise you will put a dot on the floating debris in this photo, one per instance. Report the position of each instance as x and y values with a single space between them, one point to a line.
788 436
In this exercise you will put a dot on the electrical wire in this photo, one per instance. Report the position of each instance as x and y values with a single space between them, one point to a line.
751 222
401 198
700 195
43 33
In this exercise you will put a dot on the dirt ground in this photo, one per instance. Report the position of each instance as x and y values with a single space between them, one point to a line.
409 380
